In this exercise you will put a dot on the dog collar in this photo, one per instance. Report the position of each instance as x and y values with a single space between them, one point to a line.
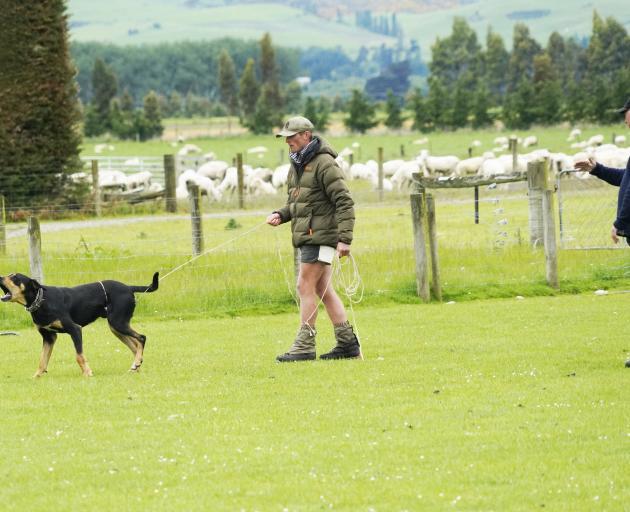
36 304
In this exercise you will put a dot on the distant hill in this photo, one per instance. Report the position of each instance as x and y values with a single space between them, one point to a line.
327 23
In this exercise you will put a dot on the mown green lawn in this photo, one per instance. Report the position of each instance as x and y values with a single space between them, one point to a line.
485 405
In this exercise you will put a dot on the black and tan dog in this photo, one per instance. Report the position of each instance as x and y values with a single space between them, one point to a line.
67 310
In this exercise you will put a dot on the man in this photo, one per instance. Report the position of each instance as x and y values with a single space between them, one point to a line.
321 212
620 178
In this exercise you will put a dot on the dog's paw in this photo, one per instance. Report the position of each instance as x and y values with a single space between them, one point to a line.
39 374
88 373
134 368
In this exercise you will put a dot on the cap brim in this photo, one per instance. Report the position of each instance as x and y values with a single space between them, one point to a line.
285 133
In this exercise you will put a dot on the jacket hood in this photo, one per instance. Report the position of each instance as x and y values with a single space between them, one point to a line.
325 148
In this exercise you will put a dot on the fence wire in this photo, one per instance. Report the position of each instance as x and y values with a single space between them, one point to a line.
587 207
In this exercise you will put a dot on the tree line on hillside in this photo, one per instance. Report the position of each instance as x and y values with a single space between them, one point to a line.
561 81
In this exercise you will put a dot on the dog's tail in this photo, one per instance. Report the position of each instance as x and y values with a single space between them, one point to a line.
146 289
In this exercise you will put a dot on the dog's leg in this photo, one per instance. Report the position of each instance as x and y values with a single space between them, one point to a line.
135 342
130 342
49 339
74 331
132 339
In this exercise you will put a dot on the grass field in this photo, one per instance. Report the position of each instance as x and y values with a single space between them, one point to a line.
487 405
212 135
492 402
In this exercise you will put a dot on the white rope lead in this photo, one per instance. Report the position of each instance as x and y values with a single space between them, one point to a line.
227 242
349 288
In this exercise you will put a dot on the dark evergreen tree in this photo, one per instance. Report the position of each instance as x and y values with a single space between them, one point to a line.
248 92
293 98
39 113
270 104
393 111
548 91
104 86
524 49
228 87
480 107
495 61
153 116
361 115
417 104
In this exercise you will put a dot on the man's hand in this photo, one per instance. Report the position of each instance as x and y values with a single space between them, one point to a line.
274 219
343 249
613 234
586 165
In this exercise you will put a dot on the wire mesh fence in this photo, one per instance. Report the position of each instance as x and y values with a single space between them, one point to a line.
483 252
587 208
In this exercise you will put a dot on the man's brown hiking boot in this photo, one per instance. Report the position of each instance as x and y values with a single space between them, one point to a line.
303 348
347 347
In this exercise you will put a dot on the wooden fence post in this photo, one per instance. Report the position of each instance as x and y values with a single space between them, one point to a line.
476 205
436 286
549 228
418 216
35 249
170 183
96 191
513 146
194 195
3 227
239 174
535 187
380 174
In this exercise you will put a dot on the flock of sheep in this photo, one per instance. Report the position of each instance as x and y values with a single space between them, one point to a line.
216 178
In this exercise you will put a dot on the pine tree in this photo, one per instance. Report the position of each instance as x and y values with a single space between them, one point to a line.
39 117
228 90
481 105
393 111
270 105
360 113
249 91
152 116
418 107
496 59
104 88
548 98
268 66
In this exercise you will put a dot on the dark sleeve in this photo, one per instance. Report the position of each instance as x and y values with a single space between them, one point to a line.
608 174
622 222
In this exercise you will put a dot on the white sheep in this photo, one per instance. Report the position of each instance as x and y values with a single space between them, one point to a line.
444 165
596 140
140 179
361 171
403 175
468 166
214 169
187 149
111 178
530 140
574 135
492 167
280 175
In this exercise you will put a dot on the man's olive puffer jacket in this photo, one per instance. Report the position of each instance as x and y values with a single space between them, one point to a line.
319 204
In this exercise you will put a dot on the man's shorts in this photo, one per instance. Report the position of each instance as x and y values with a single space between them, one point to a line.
310 254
